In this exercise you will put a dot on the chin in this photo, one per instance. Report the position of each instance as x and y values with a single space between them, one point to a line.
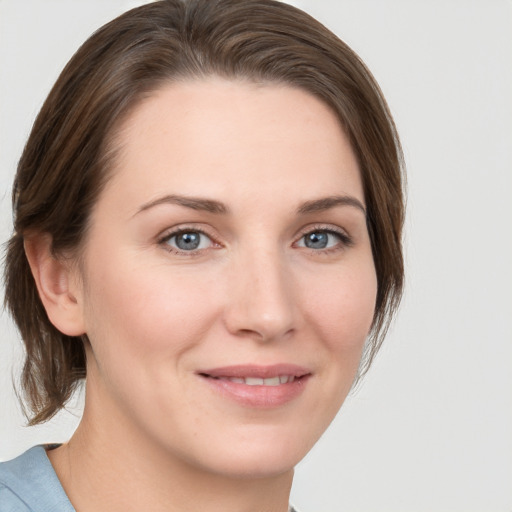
257 465
258 454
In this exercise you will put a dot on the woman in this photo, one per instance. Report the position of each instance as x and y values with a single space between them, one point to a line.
208 216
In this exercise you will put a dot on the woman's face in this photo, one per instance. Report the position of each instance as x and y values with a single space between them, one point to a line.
228 280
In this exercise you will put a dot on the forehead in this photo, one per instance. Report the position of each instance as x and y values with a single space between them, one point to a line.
217 137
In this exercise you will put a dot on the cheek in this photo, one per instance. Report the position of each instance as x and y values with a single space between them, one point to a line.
146 312
341 306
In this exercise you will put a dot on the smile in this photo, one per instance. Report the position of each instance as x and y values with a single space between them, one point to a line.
256 386
255 381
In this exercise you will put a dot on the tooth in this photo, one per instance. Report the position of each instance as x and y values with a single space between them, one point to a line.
272 381
292 378
252 381
238 380
283 379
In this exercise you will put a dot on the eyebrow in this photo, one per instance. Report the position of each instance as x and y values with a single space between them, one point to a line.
212 206
326 203
194 203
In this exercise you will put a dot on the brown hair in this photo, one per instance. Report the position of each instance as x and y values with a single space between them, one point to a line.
67 157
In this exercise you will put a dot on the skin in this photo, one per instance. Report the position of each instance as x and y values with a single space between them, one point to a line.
155 435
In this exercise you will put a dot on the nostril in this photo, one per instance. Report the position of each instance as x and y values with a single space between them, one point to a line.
265 333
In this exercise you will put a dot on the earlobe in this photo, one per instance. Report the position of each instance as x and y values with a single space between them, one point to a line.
56 284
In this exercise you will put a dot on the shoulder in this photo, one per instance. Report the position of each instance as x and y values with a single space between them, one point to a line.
14 483
10 501
29 483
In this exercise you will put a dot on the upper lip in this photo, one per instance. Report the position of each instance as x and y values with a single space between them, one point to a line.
257 371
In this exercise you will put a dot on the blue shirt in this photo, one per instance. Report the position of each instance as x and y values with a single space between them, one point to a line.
28 483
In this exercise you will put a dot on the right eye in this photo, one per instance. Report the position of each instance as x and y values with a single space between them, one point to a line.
187 241
320 239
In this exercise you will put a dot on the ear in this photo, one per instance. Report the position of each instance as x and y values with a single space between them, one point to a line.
57 285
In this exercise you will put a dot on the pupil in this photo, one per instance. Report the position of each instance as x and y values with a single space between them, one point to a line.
188 241
316 240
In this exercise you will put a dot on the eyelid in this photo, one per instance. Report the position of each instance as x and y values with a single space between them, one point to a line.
345 239
169 233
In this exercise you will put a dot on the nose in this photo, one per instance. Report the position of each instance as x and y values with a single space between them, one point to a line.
261 302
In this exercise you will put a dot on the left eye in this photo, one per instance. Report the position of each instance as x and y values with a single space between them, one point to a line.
189 241
320 240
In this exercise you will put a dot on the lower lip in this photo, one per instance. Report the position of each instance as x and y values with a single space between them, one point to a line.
258 396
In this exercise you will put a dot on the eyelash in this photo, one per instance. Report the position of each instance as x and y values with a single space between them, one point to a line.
162 241
345 241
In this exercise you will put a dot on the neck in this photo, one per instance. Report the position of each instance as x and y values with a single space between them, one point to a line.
108 468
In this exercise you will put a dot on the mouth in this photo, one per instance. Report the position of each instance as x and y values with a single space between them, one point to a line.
257 381
258 386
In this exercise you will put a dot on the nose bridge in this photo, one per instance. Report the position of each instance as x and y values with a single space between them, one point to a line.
262 301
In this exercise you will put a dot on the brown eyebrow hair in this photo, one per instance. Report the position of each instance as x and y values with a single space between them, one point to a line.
195 203
213 206
325 203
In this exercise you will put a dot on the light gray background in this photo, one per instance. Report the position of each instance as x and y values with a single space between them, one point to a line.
430 429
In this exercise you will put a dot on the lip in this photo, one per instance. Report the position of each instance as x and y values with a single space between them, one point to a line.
257 396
